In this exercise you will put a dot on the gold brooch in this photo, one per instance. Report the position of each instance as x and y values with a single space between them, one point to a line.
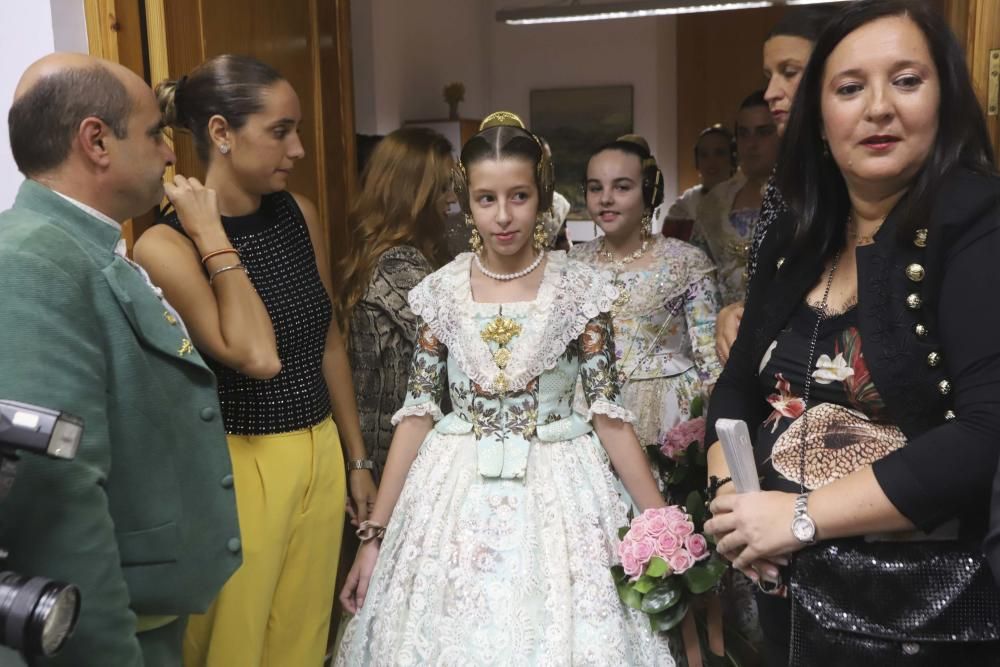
186 348
169 317
501 330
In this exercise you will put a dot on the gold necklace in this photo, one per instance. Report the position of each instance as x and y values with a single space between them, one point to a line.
500 330
862 239
619 264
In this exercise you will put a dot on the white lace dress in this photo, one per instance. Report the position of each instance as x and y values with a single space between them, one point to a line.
499 548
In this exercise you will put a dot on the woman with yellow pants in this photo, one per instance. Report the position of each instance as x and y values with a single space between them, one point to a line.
253 287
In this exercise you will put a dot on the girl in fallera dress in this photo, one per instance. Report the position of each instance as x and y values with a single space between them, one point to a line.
664 316
495 525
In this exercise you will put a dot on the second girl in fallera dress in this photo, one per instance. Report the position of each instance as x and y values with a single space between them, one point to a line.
664 316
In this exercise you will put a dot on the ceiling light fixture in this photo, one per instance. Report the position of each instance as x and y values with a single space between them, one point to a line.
575 11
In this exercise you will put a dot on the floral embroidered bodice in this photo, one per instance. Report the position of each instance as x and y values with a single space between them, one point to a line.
665 322
563 334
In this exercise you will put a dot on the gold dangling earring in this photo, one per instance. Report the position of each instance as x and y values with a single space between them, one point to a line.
540 237
647 225
475 240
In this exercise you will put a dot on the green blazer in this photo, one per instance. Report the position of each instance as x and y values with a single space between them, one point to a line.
144 520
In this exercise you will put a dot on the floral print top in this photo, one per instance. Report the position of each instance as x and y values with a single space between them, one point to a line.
846 425
565 333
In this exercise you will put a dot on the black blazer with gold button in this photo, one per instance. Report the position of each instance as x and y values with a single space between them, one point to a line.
929 315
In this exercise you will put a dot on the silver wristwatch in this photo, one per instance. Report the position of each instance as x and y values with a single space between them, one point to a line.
803 527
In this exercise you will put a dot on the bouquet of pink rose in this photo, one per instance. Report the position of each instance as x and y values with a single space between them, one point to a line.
665 561
669 571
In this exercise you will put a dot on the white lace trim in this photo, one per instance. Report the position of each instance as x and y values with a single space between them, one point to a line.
613 410
420 410
569 296
679 266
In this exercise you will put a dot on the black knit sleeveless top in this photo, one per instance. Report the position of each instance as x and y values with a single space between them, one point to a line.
275 248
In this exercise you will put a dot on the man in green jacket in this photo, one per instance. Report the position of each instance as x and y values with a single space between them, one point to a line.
144 519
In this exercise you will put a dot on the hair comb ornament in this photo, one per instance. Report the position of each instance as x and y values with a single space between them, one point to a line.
545 171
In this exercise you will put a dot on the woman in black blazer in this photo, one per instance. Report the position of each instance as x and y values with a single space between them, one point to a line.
868 360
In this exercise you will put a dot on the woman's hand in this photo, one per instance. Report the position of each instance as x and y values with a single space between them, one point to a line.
197 208
753 527
727 325
362 496
356 586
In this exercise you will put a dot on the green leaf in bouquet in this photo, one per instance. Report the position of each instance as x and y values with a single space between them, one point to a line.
622 532
661 598
679 474
618 572
697 407
644 584
704 576
657 567
701 458
630 596
695 506
669 619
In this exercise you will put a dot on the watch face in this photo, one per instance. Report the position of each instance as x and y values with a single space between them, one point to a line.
803 529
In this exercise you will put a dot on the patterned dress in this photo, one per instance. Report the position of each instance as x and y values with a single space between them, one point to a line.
725 234
383 334
664 333
499 548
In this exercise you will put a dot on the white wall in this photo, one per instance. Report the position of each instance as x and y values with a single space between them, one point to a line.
406 52
25 35
28 30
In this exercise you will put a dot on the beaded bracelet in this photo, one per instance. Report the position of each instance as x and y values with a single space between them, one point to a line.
231 267
223 251
369 530
714 484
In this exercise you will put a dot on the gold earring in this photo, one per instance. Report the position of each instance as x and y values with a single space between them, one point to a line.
476 241
647 225
540 237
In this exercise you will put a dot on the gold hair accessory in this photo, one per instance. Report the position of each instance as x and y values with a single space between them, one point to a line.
545 171
504 119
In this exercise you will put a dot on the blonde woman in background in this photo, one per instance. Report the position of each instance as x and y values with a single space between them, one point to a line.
396 239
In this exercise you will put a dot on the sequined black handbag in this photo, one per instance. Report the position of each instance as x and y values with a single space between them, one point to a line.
927 603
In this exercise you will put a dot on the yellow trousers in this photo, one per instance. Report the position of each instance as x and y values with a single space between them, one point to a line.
275 610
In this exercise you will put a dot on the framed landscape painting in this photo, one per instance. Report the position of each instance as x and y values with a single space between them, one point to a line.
575 121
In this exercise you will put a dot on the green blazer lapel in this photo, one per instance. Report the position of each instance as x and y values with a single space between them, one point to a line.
150 320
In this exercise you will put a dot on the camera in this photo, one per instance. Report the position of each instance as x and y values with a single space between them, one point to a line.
37 615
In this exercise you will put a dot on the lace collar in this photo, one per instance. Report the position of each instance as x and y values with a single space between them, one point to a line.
570 295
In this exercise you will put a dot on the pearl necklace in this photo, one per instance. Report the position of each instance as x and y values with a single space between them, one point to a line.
619 264
509 276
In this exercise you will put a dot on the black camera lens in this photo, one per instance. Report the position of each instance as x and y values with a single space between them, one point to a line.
37 615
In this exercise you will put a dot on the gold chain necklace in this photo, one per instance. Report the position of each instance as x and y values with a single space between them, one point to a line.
619 264
862 239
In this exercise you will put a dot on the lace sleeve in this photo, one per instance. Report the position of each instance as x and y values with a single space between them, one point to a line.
426 385
701 307
597 370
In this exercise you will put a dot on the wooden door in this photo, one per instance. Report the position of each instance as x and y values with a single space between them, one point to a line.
719 62
977 25
308 41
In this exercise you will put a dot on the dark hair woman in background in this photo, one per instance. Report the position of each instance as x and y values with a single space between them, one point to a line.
867 368
255 293
786 52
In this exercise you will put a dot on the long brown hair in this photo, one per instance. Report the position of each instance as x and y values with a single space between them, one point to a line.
402 182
